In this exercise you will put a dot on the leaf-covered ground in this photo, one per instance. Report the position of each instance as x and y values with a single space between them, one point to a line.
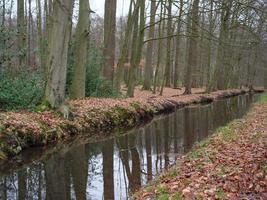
231 164
20 130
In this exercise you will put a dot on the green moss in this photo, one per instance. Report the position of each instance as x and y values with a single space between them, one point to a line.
2 128
162 189
227 133
177 196
2 155
45 105
120 115
203 143
220 194
263 98
173 173
135 105
264 168
162 193
163 197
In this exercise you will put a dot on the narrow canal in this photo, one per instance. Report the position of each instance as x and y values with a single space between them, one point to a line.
114 168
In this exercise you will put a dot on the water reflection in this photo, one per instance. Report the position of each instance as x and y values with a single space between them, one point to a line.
115 168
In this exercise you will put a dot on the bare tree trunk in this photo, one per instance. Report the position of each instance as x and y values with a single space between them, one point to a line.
80 53
150 46
125 45
211 27
58 51
217 81
161 87
177 49
167 73
10 13
137 47
192 54
3 13
109 38
29 33
21 32
41 50
159 52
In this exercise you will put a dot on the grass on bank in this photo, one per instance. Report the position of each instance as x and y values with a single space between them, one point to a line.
263 98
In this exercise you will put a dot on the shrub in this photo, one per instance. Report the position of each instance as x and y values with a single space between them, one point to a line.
23 90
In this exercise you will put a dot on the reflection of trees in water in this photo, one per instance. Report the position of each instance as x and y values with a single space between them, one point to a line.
165 138
148 138
78 167
108 168
22 184
143 152
3 189
27 183
57 178
127 148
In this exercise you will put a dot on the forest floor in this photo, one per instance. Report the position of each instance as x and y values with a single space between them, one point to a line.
231 164
22 129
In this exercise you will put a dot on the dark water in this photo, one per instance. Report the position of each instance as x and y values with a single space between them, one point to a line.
114 168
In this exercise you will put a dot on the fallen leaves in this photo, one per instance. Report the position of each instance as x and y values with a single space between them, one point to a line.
237 170
19 130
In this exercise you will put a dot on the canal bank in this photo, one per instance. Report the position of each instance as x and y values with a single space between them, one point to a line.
231 164
21 130
117 166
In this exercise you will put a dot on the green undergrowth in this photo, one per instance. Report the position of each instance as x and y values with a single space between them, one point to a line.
23 91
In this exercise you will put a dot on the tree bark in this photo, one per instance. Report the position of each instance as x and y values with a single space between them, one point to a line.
168 51
109 39
137 48
160 30
58 51
80 53
150 46
217 81
21 32
192 53
177 49
125 45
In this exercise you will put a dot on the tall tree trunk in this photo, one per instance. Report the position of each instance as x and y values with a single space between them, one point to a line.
58 51
137 48
3 13
80 53
41 47
192 53
21 32
109 38
150 46
217 81
211 27
29 33
10 13
168 66
160 30
177 49
125 45
160 55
